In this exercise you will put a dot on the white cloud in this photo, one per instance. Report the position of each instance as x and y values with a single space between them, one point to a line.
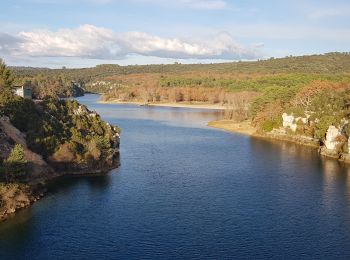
85 41
88 41
220 45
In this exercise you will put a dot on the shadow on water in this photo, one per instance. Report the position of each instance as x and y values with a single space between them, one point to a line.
295 153
284 149
20 227
16 230
96 183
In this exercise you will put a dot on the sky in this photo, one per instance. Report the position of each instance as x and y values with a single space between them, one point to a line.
84 33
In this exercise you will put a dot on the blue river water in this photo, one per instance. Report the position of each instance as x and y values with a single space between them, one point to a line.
186 191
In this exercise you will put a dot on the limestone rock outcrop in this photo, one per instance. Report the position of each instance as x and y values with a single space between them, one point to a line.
333 144
291 122
332 137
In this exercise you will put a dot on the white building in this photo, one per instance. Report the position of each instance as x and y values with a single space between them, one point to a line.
24 92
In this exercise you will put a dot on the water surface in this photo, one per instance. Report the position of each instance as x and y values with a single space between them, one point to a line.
188 191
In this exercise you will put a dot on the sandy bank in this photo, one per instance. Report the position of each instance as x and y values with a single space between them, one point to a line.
244 127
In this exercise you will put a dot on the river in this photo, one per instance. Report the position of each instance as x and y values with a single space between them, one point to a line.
185 191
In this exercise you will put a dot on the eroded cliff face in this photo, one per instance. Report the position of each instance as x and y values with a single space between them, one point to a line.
336 143
293 129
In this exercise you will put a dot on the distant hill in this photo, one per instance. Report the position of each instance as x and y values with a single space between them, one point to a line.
326 63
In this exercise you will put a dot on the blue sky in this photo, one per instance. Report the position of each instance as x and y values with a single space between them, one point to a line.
80 33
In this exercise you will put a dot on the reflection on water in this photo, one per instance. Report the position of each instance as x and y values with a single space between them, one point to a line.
179 116
332 174
186 191
336 179
287 150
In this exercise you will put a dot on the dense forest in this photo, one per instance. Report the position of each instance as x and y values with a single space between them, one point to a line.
253 90
325 63
234 75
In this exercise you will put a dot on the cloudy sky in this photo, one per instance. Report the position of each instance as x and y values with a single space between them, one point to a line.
80 33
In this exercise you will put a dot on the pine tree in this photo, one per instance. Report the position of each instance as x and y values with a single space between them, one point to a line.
6 79
15 164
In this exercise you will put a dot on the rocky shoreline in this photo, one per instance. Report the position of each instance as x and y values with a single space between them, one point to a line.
281 134
20 196
16 197
21 193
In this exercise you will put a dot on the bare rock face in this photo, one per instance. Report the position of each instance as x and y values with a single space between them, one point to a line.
332 135
289 122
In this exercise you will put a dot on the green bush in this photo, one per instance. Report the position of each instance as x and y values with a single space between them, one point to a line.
269 124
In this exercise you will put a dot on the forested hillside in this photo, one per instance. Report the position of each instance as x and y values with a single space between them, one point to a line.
247 89
327 63
43 139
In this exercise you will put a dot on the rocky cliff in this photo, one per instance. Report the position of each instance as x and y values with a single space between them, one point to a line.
335 143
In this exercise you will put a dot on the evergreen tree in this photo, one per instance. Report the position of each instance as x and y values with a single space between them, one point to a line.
6 95
6 79
15 164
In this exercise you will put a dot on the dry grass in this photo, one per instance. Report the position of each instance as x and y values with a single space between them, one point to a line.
12 197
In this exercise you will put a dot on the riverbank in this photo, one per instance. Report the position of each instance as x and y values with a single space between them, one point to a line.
170 104
14 197
17 196
246 128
